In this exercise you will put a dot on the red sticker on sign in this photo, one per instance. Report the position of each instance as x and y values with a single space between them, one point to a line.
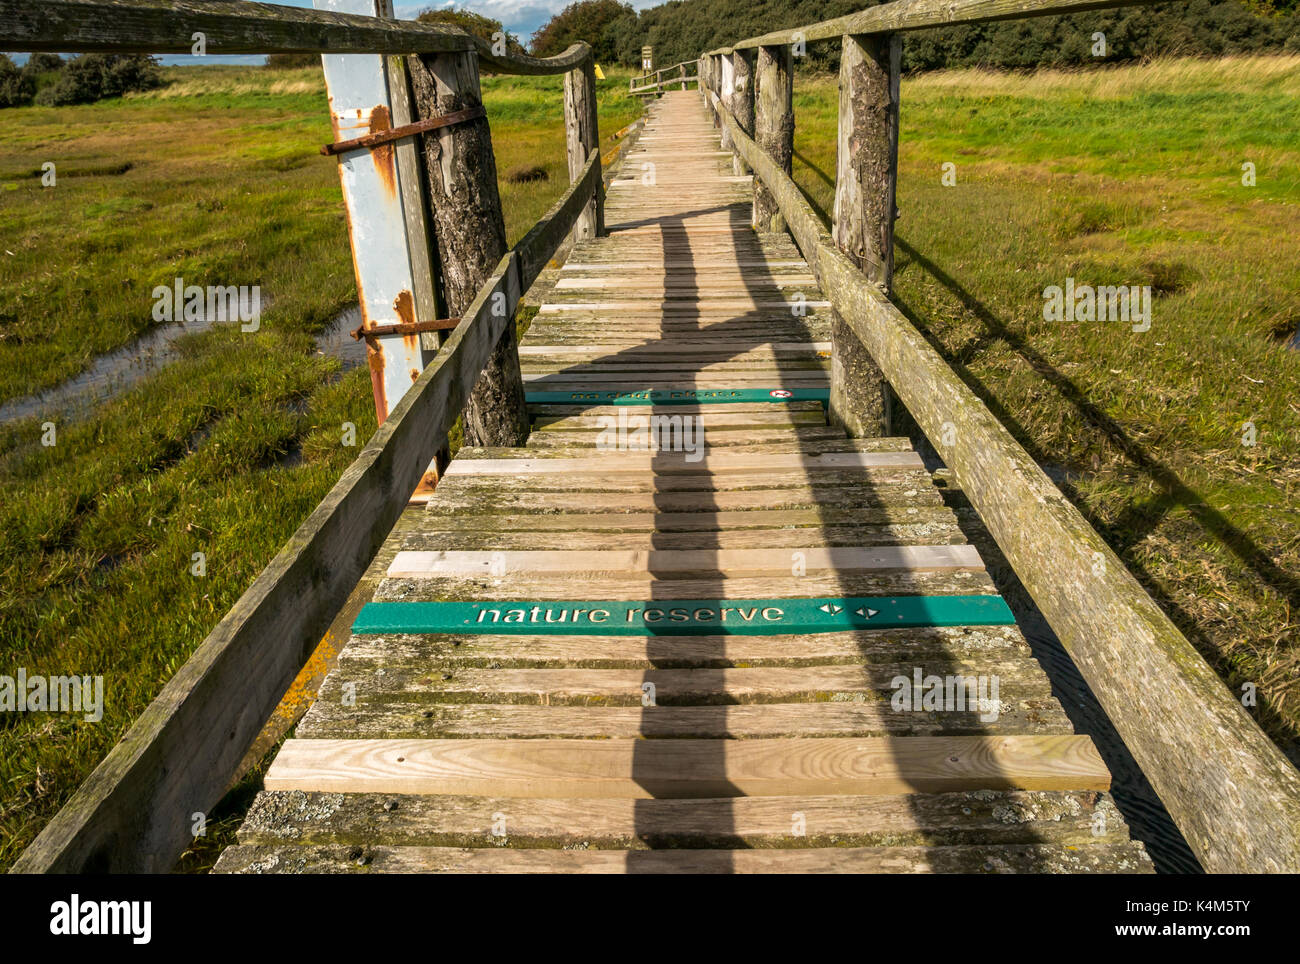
781 393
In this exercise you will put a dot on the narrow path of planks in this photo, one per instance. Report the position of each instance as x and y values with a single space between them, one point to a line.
713 735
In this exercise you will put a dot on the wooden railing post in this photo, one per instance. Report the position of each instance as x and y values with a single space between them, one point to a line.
742 99
470 231
866 177
773 127
582 132
726 88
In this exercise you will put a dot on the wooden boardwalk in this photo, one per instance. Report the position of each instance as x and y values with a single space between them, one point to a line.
714 736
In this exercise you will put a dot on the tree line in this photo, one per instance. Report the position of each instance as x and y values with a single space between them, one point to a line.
682 29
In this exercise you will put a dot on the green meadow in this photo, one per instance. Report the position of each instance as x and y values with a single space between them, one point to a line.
1126 176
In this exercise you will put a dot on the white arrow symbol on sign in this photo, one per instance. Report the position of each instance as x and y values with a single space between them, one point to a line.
868 613
832 609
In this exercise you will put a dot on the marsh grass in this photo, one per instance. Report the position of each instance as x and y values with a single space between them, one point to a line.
1129 175
216 178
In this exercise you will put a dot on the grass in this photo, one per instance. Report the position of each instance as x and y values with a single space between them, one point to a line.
1130 176
215 178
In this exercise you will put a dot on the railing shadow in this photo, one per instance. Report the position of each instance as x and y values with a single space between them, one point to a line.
830 519
1133 794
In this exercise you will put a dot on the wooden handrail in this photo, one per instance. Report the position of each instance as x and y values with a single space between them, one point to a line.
1229 789
919 14
132 814
168 26
684 63
660 83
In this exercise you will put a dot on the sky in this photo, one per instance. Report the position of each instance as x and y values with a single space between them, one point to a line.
520 17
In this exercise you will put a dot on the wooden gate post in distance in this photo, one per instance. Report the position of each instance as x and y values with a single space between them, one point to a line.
726 88
470 230
582 131
865 182
773 127
742 100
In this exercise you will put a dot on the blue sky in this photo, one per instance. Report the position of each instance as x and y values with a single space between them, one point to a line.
520 17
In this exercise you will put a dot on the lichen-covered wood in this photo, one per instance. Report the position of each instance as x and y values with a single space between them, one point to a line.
866 175
168 26
470 230
582 134
742 100
773 127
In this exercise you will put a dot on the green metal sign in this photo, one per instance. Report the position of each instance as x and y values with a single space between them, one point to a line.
682 617
685 396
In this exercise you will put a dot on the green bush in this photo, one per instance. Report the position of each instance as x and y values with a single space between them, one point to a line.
602 23
16 87
92 77
42 63
485 28
291 61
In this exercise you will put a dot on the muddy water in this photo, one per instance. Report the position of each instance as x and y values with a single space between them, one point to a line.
114 373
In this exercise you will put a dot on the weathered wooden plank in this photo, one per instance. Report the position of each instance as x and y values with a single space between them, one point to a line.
422 564
471 234
643 769
860 647
484 501
695 482
167 26
710 523
491 536
1127 858
667 464
389 720
999 817
404 683
898 585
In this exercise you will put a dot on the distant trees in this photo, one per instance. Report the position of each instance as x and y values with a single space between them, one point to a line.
16 86
43 63
480 26
51 81
609 26
92 77
291 61
682 29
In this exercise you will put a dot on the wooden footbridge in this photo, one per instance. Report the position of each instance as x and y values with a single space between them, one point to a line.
682 603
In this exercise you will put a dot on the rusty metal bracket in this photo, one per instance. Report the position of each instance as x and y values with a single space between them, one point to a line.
405 328
406 130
